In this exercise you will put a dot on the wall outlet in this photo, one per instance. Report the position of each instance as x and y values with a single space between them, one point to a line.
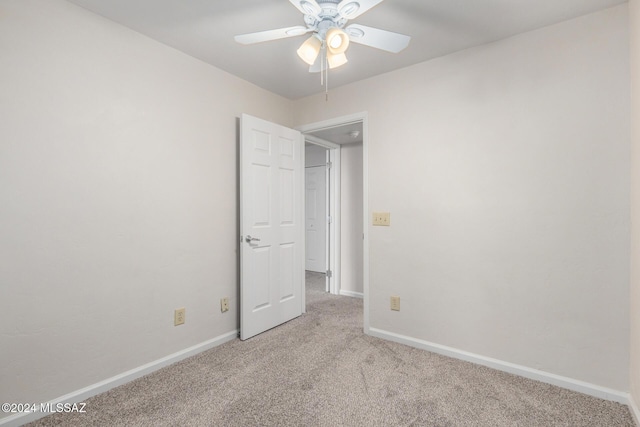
395 303
178 316
382 218
224 304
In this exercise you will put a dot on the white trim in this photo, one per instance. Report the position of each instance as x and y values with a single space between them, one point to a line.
635 411
523 371
365 219
351 294
321 142
332 123
330 224
303 284
123 378
335 228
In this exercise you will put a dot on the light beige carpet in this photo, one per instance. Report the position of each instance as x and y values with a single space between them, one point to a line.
321 370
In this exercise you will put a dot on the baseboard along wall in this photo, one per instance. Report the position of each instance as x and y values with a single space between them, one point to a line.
106 385
523 371
352 294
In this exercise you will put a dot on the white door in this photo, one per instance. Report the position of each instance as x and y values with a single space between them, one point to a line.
316 219
271 225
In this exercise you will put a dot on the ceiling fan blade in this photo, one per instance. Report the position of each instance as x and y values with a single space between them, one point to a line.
351 9
377 38
308 7
265 36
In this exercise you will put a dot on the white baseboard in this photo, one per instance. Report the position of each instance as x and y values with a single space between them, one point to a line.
523 371
635 411
352 294
106 385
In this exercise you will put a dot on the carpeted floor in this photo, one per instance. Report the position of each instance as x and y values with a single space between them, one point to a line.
321 370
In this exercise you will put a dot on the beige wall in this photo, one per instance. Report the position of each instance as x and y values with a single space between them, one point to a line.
634 15
117 198
506 171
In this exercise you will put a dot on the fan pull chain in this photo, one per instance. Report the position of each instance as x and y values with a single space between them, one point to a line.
324 74
326 82
323 58
324 71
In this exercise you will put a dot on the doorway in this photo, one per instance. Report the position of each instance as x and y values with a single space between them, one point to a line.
322 189
345 142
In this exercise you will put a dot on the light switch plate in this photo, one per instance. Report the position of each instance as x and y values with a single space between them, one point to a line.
382 219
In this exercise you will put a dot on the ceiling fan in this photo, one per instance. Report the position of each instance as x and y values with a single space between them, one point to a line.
326 20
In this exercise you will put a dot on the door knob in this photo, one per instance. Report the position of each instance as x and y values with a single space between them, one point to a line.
250 239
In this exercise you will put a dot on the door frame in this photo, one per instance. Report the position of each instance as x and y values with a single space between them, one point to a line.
333 229
341 121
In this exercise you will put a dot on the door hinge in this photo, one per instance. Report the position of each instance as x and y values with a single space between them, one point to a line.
329 274
329 219
329 164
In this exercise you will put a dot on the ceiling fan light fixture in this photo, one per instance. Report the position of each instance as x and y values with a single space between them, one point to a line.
336 60
310 49
337 41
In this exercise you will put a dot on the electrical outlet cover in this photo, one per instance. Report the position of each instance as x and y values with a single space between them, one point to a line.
224 305
179 316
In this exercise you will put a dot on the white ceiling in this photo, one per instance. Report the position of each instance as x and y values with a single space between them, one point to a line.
205 29
341 134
